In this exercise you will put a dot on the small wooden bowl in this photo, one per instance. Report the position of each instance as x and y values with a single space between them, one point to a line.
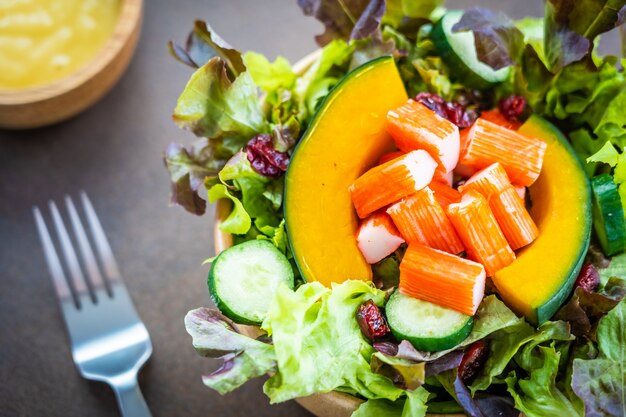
62 99
331 404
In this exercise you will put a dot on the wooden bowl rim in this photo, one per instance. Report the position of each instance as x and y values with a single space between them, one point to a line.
127 21
343 403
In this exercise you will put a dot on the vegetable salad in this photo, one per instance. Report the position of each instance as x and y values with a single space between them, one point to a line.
404 338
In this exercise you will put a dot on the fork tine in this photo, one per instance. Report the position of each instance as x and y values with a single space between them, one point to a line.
102 244
68 251
93 270
52 259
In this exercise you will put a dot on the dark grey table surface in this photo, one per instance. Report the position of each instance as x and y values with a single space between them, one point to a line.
113 151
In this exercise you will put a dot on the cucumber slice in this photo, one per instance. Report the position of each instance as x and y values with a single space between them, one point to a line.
458 51
244 278
426 325
608 215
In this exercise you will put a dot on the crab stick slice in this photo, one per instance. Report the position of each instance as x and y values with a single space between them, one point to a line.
414 126
479 232
443 279
496 116
389 156
392 181
489 181
521 192
516 224
442 176
378 237
520 155
421 220
444 194
507 207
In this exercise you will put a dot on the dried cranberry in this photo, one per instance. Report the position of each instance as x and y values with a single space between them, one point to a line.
512 107
451 110
473 359
588 279
371 321
264 158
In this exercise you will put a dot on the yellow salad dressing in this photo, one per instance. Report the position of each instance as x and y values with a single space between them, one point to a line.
42 41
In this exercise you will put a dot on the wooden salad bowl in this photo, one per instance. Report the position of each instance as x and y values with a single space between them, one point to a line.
331 404
62 99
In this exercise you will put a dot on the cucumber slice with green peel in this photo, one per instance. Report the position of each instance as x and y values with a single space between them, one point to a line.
243 280
608 215
458 51
426 325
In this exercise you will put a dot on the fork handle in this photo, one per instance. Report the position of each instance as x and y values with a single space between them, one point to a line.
130 400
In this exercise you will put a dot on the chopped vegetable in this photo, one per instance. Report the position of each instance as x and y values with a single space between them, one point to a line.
378 237
520 155
608 215
414 126
388 183
425 325
482 237
443 279
421 219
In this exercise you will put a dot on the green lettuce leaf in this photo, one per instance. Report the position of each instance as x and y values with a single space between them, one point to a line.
269 76
238 221
212 106
322 75
413 406
215 336
600 382
541 358
319 346
616 268
346 19
407 14
258 200
405 374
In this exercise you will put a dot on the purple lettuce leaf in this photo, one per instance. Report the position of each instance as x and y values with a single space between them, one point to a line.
202 45
599 382
215 336
585 308
347 19
498 42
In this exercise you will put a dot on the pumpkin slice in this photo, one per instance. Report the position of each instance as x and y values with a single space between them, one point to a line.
346 137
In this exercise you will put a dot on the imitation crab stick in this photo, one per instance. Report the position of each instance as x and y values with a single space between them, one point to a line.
389 156
443 279
479 232
521 192
392 181
496 116
421 220
414 126
442 176
520 155
378 237
516 224
489 181
444 194
507 207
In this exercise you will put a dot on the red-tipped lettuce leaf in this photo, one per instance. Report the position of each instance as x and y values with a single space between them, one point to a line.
215 336
346 19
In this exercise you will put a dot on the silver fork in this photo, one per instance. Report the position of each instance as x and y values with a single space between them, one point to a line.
109 341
